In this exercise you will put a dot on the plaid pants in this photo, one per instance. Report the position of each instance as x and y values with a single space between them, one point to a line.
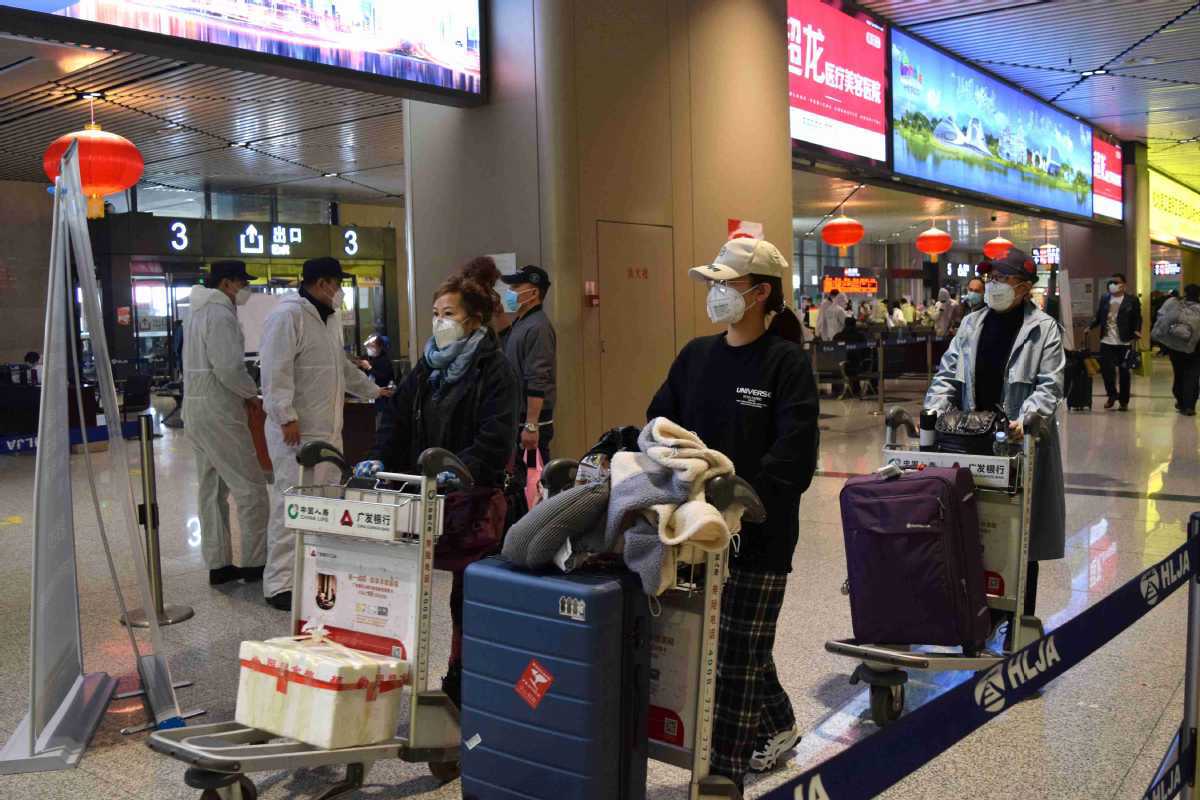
750 702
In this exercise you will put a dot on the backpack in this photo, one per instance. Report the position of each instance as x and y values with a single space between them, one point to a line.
1179 331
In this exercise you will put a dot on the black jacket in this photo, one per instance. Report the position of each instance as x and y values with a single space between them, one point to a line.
1129 317
381 370
478 424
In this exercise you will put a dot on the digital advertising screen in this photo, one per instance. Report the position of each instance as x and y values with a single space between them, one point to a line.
431 44
954 125
1106 178
837 73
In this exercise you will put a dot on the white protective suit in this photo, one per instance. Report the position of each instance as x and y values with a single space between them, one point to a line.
831 319
216 387
305 377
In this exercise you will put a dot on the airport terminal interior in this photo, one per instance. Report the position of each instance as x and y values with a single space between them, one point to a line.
893 151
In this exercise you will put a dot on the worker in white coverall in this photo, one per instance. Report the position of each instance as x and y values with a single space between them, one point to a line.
305 377
217 392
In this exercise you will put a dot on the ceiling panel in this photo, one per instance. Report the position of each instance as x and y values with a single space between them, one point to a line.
185 117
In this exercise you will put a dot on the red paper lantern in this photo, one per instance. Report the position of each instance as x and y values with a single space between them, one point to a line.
934 242
842 232
108 164
997 248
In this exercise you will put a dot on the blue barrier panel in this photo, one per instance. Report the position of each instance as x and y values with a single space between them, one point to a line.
1176 770
883 759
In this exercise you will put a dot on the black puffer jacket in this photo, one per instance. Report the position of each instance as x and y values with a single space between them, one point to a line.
475 418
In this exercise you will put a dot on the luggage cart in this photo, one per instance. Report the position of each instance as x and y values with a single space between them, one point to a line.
1005 489
380 533
683 637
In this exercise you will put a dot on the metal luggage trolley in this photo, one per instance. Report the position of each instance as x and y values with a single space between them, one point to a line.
387 537
684 633
1004 486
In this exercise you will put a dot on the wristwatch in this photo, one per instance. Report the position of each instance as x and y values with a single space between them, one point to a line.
531 427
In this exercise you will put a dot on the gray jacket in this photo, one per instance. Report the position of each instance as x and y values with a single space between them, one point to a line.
530 347
1033 384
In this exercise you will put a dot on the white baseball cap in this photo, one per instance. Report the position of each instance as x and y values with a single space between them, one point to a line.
741 257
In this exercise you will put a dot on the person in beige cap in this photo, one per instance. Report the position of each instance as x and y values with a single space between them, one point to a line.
749 392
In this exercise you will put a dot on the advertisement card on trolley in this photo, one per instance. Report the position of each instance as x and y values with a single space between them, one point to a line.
363 593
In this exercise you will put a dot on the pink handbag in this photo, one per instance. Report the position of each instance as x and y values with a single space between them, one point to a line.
533 477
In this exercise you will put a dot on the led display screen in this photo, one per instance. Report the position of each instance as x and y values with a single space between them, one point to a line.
837 68
1106 179
432 44
957 126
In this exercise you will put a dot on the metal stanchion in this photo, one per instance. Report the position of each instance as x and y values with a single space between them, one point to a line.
879 412
148 517
929 357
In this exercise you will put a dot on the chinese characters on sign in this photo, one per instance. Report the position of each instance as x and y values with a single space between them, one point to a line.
849 285
836 70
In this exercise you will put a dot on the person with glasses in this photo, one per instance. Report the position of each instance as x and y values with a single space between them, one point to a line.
1009 356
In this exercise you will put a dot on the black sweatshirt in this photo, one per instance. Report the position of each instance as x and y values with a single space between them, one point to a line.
996 340
758 405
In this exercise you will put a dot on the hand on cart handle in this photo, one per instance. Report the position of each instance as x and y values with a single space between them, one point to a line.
367 469
726 490
435 461
319 452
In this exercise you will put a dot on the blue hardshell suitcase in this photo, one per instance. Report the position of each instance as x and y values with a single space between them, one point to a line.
555 688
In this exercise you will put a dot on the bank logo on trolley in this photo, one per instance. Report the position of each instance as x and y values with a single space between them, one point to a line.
991 692
324 515
1158 581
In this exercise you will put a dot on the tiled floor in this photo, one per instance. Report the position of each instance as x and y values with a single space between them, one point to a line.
1098 732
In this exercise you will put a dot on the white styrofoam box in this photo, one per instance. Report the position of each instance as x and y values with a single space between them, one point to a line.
319 693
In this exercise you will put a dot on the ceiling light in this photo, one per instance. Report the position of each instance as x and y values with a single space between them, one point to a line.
89 95
239 144
1100 72
330 175
1087 73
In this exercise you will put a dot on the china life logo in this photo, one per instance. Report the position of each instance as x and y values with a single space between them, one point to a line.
293 511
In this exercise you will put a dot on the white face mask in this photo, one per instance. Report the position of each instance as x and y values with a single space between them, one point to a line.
447 331
338 297
243 296
1114 288
726 306
999 296
372 351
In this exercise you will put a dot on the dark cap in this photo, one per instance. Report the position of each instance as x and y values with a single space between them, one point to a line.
1014 263
323 267
534 276
232 269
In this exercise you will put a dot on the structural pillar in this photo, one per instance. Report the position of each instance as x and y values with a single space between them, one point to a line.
1138 273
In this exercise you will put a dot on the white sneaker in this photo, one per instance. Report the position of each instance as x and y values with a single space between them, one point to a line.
767 751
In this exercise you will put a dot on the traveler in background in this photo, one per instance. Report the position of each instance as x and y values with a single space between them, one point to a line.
1178 330
530 346
305 377
832 317
1013 331
749 392
899 320
909 311
1119 319
461 396
858 359
34 360
973 299
378 363
947 313
218 392
879 312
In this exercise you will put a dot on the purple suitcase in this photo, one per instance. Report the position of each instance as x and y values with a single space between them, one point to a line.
914 559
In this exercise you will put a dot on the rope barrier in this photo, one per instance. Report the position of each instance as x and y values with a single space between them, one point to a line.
886 757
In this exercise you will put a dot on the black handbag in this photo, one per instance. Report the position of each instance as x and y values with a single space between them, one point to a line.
969 432
1133 359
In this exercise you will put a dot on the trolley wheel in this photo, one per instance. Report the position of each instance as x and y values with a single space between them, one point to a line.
445 771
247 787
887 704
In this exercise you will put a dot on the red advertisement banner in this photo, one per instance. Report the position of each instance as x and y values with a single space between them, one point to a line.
1106 178
837 66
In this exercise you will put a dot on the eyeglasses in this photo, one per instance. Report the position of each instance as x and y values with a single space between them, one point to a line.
1011 280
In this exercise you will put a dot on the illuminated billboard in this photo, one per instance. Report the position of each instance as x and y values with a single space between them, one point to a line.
1174 211
960 127
1107 194
837 69
433 45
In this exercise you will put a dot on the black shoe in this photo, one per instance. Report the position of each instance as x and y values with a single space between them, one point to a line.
281 601
1188 412
1123 407
225 574
1112 401
452 684
251 574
